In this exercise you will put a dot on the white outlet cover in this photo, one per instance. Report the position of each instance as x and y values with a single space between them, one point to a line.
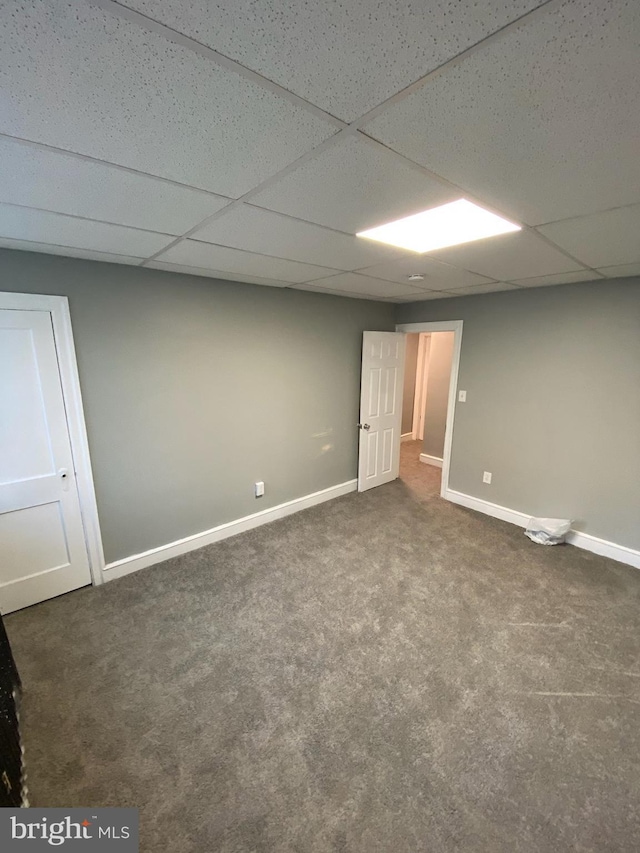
462 396
486 477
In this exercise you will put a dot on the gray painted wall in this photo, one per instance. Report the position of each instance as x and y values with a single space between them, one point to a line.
194 389
552 376
410 365
439 374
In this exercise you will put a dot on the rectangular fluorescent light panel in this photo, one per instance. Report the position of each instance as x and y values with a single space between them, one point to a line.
448 225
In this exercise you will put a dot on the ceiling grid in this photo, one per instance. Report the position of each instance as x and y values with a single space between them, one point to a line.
181 141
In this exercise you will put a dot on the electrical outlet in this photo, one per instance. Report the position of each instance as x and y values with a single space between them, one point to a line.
486 477
259 489
462 396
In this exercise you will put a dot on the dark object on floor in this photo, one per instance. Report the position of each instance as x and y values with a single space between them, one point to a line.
12 794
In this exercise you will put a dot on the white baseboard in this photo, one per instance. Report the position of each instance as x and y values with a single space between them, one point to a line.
127 565
575 537
495 510
431 460
406 436
605 548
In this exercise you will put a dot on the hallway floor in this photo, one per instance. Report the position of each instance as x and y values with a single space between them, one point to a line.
422 480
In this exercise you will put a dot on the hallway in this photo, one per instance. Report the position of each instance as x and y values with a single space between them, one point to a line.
423 480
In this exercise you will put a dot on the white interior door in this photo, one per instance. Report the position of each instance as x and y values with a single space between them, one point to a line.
380 408
43 552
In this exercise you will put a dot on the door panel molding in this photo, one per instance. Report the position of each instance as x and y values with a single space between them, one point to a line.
381 383
58 307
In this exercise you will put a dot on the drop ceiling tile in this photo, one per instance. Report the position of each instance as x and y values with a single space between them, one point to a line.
355 283
436 274
39 226
192 253
508 257
421 297
67 251
554 108
476 290
563 278
344 293
603 239
36 177
79 78
620 271
269 233
345 57
353 185
209 273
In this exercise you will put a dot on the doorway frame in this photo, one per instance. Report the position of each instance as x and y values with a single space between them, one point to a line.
454 326
420 392
58 308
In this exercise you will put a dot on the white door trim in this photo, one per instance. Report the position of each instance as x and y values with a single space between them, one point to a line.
454 326
420 393
58 307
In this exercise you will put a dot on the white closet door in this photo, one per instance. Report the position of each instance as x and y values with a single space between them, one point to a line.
43 551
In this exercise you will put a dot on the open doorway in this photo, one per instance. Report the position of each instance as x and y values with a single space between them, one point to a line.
428 404
429 357
390 416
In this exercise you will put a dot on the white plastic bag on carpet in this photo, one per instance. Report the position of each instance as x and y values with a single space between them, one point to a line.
548 531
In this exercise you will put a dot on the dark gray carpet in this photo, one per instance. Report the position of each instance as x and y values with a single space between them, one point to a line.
385 672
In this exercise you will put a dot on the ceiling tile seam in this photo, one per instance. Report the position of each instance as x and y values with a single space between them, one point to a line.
314 224
614 266
85 219
179 270
236 203
363 271
180 237
363 137
401 255
300 286
346 293
445 182
263 255
66 152
65 246
304 221
550 275
558 248
473 197
212 55
586 215
290 167
490 284
427 256
176 36
533 14
395 298
409 287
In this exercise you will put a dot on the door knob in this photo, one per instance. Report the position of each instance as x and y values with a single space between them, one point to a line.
364 426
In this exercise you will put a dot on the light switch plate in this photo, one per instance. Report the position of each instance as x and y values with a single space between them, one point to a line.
462 396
